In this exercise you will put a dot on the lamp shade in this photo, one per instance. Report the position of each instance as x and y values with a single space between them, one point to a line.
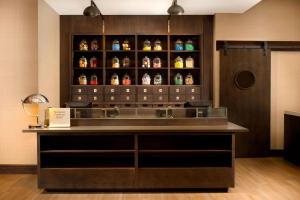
35 98
91 10
175 9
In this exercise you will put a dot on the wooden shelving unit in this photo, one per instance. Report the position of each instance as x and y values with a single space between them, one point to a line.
135 160
104 70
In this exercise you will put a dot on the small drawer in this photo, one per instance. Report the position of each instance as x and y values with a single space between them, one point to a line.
192 97
145 98
177 98
112 98
160 90
174 90
128 98
79 89
80 98
95 90
95 98
192 90
145 90
129 90
160 98
112 90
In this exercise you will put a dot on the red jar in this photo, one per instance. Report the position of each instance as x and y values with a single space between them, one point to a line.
94 80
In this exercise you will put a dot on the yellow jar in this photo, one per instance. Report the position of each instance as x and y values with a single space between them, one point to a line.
178 63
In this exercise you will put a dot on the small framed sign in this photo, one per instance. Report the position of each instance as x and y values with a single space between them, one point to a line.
59 117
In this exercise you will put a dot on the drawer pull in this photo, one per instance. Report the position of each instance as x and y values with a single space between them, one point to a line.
177 97
177 90
112 98
160 90
79 98
145 98
79 90
95 98
127 90
145 90
193 97
95 90
127 98
193 90
112 90
160 98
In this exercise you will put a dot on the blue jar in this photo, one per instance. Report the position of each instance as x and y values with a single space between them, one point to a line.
116 45
179 45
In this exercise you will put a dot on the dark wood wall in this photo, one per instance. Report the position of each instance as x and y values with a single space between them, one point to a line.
122 25
248 107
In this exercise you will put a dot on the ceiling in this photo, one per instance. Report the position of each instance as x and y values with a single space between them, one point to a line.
152 7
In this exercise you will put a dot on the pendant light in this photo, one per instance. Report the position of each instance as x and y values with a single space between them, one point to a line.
175 9
92 10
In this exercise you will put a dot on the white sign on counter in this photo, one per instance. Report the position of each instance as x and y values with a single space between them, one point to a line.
59 117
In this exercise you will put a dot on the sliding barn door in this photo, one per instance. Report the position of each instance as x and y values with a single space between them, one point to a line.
245 90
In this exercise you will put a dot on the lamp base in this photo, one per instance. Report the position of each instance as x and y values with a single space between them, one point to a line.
35 126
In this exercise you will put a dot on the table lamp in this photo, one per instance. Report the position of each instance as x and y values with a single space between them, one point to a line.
31 107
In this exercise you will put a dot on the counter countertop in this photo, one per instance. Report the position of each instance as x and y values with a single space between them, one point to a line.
229 127
297 114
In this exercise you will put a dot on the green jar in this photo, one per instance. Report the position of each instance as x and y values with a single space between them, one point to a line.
178 79
189 45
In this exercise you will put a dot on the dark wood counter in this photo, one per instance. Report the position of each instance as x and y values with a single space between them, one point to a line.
228 127
292 137
136 157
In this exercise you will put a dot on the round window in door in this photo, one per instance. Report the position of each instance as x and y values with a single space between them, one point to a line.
244 80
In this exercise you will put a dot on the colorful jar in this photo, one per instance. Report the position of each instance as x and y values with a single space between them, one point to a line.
126 80
157 45
157 80
189 62
178 79
189 45
94 80
146 62
126 62
178 45
156 62
189 79
82 79
116 45
83 62
146 79
83 45
93 62
114 79
126 45
115 62
94 45
147 45
178 64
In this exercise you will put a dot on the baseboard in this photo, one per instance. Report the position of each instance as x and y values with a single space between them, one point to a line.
18 169
276 152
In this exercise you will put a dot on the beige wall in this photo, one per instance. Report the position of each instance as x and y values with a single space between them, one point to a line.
18 78
26 67
269 20
48 53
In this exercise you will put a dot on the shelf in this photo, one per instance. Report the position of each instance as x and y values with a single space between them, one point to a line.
186 151
88 68
185 51
87 160
152 51
87 151
195 68
163 68
120 51
121 68
89 51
